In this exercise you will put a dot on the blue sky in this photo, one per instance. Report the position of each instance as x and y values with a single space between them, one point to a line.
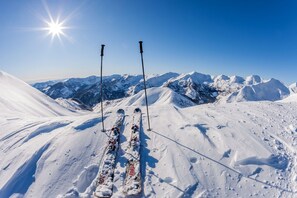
213 37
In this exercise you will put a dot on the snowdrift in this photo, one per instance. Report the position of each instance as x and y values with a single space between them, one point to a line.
18 97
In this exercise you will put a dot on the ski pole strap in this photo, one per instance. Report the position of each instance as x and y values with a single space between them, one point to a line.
102 50
140 45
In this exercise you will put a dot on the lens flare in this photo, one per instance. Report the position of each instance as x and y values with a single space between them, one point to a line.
55 28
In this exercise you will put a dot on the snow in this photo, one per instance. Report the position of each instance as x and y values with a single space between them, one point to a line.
236 79
291 98
245 149
271 90
71 104
17 97
155 81
158 96
193 76
253 79
293 87
199 88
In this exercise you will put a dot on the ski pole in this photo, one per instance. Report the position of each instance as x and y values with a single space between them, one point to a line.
101 88
147 110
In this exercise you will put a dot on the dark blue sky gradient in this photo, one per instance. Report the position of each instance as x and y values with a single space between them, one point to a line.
214 37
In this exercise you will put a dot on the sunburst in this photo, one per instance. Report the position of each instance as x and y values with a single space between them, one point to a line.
55 28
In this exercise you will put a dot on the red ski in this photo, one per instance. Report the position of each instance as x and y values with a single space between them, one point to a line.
106 174
132 184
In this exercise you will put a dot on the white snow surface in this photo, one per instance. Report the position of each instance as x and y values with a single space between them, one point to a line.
17 97
245 149
292 98
159 96
271 90
71 104
192 76
293 87
253 79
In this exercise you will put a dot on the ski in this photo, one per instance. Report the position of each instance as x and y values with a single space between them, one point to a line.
104 182
132 183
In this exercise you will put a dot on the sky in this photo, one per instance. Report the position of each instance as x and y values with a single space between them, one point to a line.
214 37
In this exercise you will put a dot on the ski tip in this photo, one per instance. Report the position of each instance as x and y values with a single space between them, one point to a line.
121 111
137 110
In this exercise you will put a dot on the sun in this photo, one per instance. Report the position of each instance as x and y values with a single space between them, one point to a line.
55 28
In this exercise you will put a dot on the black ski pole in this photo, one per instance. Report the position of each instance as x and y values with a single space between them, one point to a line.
147 110
101 88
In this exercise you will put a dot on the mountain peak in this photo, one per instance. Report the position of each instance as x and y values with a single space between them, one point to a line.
253 79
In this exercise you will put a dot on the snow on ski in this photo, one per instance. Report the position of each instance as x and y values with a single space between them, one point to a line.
132 183
106 175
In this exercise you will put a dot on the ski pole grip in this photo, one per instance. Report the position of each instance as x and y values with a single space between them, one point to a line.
102 50
140 45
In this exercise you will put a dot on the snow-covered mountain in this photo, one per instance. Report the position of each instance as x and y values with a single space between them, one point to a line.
198 88
195 86
72 104
18 97
271 90
245 149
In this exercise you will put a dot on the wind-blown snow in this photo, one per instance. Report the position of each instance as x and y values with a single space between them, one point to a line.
18 97
245 149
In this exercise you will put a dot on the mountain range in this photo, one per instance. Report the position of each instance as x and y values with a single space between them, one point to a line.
195 87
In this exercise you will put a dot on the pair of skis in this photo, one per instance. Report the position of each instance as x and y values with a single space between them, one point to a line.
132 183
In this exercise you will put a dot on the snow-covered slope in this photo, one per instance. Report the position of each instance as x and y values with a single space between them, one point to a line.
18 97
195 86
72 104
293 87
155 81
291 98
271 90
245 149
253 79
157 96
